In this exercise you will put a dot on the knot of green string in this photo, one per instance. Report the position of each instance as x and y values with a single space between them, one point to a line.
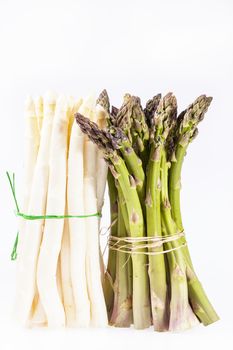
11 180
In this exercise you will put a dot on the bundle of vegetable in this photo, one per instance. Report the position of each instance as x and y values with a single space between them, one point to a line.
149 277
59 265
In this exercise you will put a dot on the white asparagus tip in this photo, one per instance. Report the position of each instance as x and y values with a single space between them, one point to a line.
50 97
88 104
70 101
62 103
29 104
77 105
38 101
87 108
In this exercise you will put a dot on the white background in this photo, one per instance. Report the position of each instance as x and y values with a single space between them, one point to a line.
141 47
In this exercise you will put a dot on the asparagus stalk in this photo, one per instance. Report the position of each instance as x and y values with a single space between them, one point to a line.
181 314
141 305
31 147
53 230
93 262
122 310
183 134
98 310
37 314
32 141
65 254
78 236
110 272
34 117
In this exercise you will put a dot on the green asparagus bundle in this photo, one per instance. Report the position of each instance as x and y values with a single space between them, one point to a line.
149 279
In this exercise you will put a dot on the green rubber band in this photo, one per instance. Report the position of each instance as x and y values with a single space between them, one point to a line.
36 217
40 217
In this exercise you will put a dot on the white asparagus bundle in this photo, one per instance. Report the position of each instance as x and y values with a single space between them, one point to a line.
39 317
59 274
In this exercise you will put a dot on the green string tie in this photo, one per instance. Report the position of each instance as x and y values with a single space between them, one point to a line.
35 217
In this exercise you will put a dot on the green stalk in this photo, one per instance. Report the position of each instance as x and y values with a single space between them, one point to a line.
181 314
129 259
134 165
141 303
198 298
157 271
122 310
110 274
174 194
175 185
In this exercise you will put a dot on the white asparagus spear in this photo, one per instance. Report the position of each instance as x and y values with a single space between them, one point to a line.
98 308
66 281
31 237
78 237
31 146
93 270
38 317
52 237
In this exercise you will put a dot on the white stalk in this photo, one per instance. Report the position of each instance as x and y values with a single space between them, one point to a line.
65 255
37 312
78 236
93 269
31 236
31 147
53 230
